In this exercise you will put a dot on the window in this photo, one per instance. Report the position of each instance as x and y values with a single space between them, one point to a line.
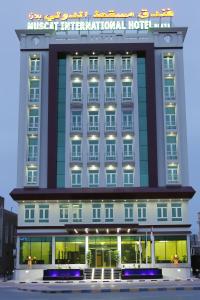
111 178
170 117
34 64
127 120
32 175
126 63
33 119
93 64
110 91
39 248
64 212
110 150
142 212
76 150
110 64
76 120
96 212
171 147
128 211
110 121
77 64
34 90
70 250
166 247
126 91
29 213
32 149
168 63
76 91
93 150
169 88
93 121
93 178
176 212
43 213
77 212
162 212
76 178
128 149
172 174
93 91
108 212
128 177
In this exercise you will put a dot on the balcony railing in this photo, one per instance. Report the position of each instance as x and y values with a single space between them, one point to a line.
127 98
93 127
110 156
76 127
172 155
76 156
93 156
127 156
127 126
93 98
111 126
76 97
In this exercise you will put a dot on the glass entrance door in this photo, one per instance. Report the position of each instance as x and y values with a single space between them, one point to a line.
103 250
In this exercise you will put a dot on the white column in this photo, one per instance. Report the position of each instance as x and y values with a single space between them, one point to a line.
152 250
119 247
18 252
86 247
53 250
188 250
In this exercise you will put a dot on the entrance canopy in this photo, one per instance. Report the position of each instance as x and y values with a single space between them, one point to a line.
101 228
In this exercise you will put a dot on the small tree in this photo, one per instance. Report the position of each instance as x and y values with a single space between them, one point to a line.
89 258
115 256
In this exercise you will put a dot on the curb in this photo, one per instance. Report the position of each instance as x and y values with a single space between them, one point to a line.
88 291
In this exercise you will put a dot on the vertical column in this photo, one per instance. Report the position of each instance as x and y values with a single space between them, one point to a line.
18 251
53 250
119 248
152 250
86 247
188 250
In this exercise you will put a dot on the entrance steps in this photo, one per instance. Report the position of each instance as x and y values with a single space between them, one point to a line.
102 273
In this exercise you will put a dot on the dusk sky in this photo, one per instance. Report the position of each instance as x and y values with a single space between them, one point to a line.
14 16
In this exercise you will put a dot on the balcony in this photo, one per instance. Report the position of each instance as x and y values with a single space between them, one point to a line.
110 99
93 98
127 98
110 157
76 98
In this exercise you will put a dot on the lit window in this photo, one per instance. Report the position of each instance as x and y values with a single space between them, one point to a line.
34 93
172 174
170 117
128 150
168 62
110 64
32 175
126 91
169 88
76 150
76 91
110 91
32 149
34 64
93 92
77 64
93 121
171 147
126 63
93 150
76 120
93 64
110 121
33 119
127 120
110 150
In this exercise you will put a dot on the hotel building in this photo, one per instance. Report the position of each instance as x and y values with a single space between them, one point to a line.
102 176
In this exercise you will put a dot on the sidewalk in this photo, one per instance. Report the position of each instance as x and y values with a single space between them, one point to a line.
104 286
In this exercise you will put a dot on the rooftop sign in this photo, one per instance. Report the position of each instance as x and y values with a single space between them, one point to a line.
111 20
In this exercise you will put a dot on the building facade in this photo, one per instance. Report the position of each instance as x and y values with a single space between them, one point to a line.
8 224
102 155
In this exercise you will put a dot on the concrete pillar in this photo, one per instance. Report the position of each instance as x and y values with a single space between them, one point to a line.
53 251
18 252
152 250
188 250
119 248
86 247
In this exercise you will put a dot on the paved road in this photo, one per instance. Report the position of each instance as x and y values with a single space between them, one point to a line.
12 294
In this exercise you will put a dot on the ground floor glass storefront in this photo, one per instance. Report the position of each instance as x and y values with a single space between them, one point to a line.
103 251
